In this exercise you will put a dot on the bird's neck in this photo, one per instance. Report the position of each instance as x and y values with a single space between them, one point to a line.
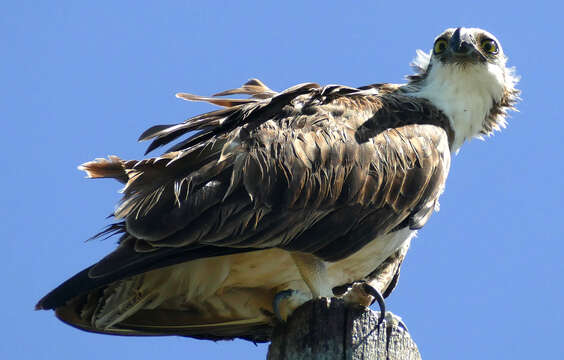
465 95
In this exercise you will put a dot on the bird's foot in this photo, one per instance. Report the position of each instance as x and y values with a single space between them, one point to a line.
361 293
393 320
285 302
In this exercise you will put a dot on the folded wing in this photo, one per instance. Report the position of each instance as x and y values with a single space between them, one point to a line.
320 170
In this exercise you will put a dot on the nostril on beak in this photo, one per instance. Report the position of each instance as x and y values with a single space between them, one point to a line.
463 48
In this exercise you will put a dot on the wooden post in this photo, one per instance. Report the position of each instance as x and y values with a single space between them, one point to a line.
331 330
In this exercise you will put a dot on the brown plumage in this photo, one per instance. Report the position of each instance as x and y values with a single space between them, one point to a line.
299 171
311 189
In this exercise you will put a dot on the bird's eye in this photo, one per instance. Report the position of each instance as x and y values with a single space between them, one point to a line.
489 46
440 46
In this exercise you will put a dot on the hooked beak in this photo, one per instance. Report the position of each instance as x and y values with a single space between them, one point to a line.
461 42
463 45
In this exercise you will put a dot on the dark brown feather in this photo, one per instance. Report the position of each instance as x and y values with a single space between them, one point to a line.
311 169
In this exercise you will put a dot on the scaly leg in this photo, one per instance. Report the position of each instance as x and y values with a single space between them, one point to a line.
314 272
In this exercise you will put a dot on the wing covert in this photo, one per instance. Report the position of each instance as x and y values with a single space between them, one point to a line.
319 170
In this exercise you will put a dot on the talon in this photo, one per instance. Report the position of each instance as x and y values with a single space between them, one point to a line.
286 301
379 298
278 298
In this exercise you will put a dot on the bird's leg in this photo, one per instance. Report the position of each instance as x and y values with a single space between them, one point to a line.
314 272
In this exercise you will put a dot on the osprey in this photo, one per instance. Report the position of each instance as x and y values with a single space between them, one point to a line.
284 196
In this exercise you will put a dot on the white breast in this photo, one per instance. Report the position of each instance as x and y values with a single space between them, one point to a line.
464 94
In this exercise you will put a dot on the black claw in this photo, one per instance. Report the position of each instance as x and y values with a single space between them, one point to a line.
379 298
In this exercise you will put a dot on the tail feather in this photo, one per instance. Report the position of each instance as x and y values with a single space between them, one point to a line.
121 300
113 167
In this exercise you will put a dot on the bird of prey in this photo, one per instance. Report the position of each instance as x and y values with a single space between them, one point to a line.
284 196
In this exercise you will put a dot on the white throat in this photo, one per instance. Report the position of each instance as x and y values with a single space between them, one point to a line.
464 94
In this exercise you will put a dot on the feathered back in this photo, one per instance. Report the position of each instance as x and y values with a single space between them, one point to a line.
319 170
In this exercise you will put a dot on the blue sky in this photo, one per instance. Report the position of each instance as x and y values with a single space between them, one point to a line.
83 80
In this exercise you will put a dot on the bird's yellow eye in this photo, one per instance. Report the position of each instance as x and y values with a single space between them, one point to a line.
440 46
489 46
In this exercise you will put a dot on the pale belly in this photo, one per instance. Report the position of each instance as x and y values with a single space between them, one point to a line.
240 285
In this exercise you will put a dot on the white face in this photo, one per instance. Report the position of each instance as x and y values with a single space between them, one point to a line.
465 76
465 45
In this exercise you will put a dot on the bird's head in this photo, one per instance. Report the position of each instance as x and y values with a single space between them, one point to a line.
466 72
467 47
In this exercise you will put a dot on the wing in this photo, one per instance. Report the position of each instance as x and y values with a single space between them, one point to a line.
311 169
298 171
